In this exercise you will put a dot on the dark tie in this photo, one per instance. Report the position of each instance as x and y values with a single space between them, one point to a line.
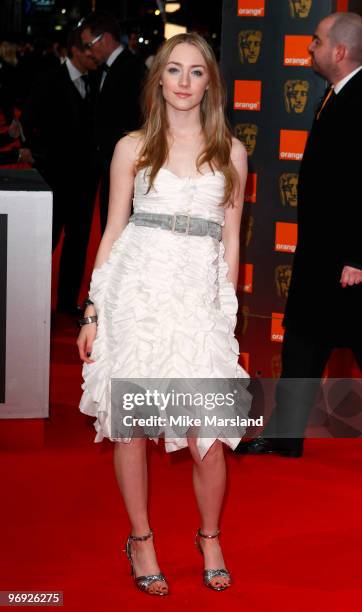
105 68
85 79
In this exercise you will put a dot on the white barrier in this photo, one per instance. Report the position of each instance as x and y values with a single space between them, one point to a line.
25 284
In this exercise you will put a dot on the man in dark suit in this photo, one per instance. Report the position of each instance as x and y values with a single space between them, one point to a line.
57 124
118 99
324 305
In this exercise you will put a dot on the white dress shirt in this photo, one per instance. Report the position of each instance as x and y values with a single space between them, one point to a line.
337 88
76 77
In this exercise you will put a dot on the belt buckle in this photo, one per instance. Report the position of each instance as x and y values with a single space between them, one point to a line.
174 221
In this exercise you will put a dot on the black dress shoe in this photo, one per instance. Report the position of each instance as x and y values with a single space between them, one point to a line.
258 446
293 453
266 446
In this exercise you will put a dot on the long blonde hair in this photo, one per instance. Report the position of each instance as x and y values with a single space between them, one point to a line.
218 138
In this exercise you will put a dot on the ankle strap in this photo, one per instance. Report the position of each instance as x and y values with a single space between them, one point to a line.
209 537
141 538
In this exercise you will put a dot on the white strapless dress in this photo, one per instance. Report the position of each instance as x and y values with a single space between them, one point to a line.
165 306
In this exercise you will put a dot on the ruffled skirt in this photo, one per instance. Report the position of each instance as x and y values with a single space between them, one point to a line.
166 310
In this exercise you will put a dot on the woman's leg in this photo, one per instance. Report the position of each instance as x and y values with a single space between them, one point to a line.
130 464
209 480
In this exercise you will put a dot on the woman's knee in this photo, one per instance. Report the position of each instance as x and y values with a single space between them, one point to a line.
133 446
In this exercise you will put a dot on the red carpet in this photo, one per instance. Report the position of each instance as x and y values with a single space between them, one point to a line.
291 529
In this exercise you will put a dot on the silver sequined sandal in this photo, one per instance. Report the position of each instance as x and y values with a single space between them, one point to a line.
209 574
144 582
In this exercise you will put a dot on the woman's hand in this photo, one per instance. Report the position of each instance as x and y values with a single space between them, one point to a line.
350 276
87 336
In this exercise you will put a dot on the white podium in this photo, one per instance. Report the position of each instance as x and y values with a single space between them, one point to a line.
25 287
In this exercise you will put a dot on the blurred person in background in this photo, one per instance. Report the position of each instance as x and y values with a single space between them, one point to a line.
57 122
61 51
153 47
8 83
36 59
133 45
117 109
8 52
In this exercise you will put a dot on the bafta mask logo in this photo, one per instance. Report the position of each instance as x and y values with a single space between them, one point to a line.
283 275
296 96
249 46
276 365
288 187
300 8
247 133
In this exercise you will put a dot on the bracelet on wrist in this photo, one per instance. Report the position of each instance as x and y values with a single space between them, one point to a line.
87 320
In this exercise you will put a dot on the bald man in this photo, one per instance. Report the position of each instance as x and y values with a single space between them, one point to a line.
324 305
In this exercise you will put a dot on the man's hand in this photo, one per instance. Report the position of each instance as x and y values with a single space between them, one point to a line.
25 156
14 129
350 276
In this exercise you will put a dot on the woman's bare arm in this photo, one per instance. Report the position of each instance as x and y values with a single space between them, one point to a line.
120 197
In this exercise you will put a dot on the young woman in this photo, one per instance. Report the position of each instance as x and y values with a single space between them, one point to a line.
163 288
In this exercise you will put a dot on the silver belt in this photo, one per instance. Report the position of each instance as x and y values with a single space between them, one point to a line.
178 223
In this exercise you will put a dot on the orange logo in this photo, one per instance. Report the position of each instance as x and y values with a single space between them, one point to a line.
342 5
250 188
251 8
292 144
286 237
247 95
277 330
296 51
244 360
245 282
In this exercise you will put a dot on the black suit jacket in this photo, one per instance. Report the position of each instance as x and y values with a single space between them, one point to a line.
58 127
329 224
118 103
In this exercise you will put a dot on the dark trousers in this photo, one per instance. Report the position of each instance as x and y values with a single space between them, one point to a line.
73 205
303 362
104 194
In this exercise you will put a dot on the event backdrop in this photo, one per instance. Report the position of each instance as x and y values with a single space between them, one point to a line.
272 96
